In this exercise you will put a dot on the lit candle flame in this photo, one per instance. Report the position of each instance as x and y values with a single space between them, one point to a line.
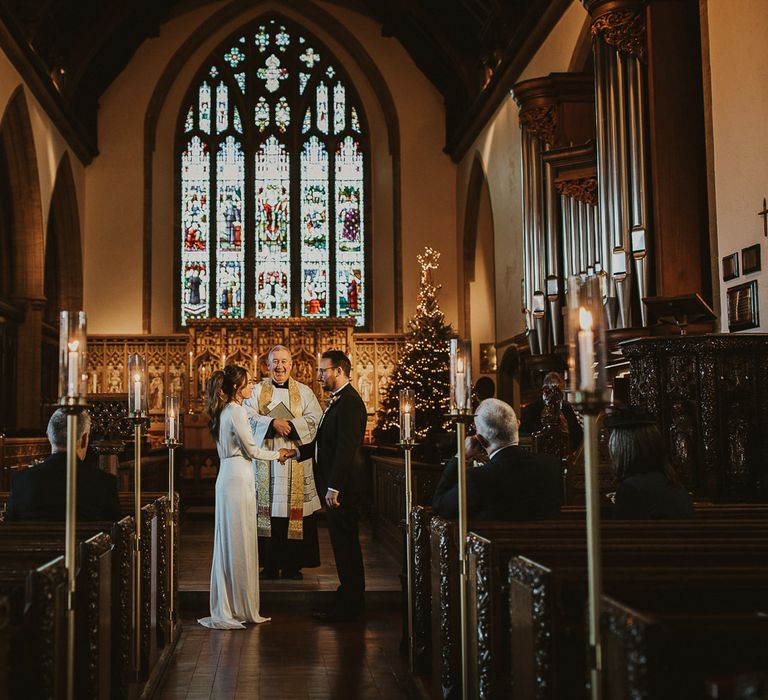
73 346
585 319
137 377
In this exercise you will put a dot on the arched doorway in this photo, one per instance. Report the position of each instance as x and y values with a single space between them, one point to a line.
63 279
23 234
479 274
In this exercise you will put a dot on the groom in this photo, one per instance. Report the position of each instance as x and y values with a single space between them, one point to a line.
340 476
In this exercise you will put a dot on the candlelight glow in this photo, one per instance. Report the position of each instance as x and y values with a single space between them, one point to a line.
585 319
73 346
137 377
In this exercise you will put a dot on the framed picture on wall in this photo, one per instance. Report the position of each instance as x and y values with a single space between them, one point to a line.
750 259
730 267
743 307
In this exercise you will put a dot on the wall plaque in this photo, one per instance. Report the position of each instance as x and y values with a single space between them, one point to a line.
750 259
743 307
730 267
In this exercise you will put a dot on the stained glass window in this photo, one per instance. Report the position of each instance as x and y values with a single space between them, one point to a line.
273 160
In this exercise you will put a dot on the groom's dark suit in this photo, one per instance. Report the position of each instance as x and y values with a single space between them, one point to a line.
339 464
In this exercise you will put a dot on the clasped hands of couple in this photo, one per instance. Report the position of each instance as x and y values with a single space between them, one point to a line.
286 455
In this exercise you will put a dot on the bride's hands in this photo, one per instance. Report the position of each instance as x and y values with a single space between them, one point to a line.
286 454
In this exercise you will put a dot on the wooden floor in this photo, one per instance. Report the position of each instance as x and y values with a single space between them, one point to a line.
294 656
289 658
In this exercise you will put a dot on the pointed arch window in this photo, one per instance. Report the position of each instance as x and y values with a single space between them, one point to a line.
273 177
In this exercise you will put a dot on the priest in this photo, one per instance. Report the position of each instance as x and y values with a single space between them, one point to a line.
285 413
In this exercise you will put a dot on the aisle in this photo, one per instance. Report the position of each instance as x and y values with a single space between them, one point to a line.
292 657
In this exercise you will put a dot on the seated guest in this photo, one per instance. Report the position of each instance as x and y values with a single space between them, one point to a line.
40 492
647 484
530 422
484 389
512 485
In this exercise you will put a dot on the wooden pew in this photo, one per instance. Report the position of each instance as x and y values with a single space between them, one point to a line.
665 656
535 537
5 636
119 648
547 635
155 560
36 589
488 588
93 581
93 600
422 600
426 592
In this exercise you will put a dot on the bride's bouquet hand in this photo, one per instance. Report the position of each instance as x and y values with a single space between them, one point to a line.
286 454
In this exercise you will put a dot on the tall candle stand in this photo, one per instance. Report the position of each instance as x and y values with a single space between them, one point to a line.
73 379
407 443
172 431
460 412
586 363
137 397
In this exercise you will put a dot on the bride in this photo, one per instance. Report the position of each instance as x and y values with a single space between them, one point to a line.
235 570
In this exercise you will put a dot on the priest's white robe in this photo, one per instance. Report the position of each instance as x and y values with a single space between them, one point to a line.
306 427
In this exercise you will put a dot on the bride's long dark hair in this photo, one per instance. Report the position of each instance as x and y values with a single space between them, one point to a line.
221 388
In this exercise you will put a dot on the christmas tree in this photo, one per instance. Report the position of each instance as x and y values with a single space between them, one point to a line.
423 365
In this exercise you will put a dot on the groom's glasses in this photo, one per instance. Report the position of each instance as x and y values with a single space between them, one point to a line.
322 370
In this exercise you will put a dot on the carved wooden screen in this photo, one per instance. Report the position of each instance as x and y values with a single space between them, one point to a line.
273 161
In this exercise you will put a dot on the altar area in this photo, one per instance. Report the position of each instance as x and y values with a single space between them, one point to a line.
181 363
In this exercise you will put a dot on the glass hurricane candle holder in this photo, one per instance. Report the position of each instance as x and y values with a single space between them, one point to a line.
460 401
73 370
407 415
137 384
586 344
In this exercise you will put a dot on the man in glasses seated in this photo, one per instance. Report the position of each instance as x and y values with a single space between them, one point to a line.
513 484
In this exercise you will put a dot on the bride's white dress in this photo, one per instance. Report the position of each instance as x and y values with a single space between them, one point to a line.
235 570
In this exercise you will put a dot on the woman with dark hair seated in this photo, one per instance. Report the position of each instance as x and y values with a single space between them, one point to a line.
648 487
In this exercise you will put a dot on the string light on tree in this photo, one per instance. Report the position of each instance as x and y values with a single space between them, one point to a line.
422 365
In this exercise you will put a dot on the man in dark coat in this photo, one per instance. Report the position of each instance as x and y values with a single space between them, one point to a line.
530 416
339 468
40 492
513 485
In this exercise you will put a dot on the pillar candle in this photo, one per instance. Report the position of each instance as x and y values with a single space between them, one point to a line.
137 392
460 395
407 422
586 344
73 367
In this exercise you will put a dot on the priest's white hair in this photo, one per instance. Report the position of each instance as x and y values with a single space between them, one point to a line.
279 347
496 421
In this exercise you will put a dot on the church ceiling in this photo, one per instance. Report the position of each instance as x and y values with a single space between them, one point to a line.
462 46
